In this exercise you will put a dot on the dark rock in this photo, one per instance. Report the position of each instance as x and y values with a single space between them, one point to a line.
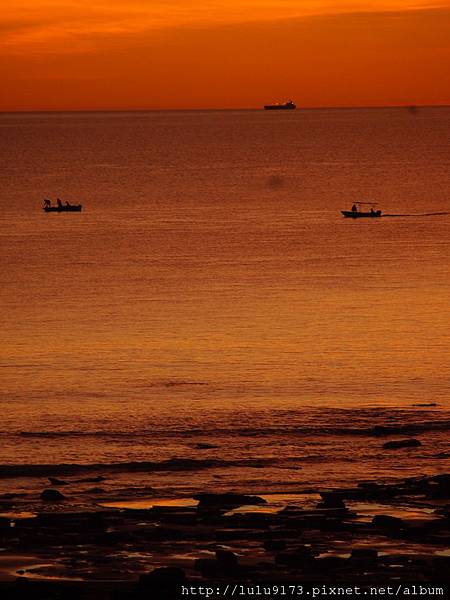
250 520
328 563
113 538
444 511
162 534
375 491
410 443
331 500
275 545
50 495
227 558
173 518
173 575
231 534
97 479
95 522
334 522
442 563
70 520
387 522
209 567
227 500
297 558
225 564
442 480
162 583
364 553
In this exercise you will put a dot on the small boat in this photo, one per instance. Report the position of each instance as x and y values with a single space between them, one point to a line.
280 106
60 207
357 213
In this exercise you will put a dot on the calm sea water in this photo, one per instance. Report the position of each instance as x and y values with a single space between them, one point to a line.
211 293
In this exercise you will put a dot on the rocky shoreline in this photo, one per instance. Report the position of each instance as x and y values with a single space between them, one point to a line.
373 532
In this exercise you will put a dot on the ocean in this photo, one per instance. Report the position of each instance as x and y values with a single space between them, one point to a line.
210 321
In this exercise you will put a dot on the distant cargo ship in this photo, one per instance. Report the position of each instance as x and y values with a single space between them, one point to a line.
284 106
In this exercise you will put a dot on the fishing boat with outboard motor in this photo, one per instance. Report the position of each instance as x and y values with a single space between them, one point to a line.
359 211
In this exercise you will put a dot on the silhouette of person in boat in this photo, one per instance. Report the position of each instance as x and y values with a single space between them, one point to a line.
59 203
354 208
47 203
67 204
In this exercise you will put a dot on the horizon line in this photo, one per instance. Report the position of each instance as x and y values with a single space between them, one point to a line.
223 109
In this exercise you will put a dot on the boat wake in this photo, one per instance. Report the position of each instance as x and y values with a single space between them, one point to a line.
433 214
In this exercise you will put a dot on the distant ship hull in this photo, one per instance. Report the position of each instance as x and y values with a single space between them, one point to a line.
352 214
285 106
74 208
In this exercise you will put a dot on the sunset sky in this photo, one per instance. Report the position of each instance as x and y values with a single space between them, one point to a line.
138 54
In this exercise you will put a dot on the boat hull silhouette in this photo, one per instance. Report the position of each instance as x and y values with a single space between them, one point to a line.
286 106
353 214
72 208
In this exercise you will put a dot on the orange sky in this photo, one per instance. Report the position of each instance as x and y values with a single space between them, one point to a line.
117 54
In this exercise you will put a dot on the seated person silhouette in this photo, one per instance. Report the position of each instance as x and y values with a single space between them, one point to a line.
354 208
59 203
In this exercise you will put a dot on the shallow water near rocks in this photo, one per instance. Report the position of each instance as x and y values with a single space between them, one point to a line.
149 503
